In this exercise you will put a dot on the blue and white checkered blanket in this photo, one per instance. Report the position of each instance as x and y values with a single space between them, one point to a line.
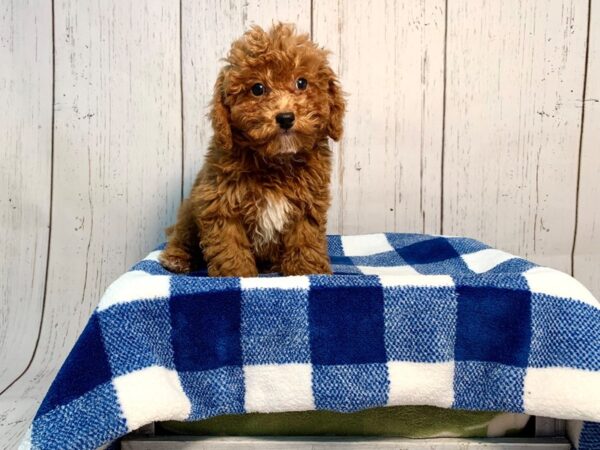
407 319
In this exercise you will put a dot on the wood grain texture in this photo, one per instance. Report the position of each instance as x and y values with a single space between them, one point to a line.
127 95
587 246
513 99
25 167
389 55
117 167
208 29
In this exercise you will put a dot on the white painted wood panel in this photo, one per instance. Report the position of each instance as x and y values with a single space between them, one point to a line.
117 167
208 29
125 146
389 55
513 97
587 250
117 139
25 163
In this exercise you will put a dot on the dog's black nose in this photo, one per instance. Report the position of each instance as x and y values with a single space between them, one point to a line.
285 120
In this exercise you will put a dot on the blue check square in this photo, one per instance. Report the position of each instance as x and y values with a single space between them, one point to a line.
350 388
334 246
422 327
145 324
214 392
89 425
590 436
269 338
385 259
86 368
433 256
464 246
493 281
401 240
428 251
512 266
485 386
344 265
206 330
346 324
493 325
564 333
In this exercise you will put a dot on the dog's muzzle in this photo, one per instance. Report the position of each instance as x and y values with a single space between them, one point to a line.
285 120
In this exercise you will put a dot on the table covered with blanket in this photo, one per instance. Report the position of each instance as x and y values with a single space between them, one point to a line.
406 319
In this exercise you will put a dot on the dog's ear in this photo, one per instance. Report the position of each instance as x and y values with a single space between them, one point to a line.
337 107
220 115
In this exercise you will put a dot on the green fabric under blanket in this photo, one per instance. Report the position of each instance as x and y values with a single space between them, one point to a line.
405 421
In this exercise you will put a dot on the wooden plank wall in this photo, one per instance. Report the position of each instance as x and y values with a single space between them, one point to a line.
514 80
390 57
25 168
116 169
477 118
586 253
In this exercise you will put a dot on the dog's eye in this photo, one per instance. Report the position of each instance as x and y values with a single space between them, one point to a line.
301 83
258 89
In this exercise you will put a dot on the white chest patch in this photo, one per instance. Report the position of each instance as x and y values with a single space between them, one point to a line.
272 218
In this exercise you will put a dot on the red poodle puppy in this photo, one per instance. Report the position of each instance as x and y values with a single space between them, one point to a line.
260 201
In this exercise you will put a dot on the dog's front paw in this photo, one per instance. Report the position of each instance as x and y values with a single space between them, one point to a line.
230 271
176 260
302 267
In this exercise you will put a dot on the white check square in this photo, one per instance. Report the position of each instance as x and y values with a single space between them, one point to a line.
133 286
151 394
278 387
388 271
413 383
543 280
546 391
365 244
432 281
292 282
485 260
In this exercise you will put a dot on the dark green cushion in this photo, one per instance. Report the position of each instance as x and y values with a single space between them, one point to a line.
405 421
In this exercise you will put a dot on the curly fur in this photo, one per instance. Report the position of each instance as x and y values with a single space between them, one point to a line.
261 198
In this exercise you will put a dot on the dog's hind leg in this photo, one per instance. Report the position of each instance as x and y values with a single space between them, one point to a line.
182 249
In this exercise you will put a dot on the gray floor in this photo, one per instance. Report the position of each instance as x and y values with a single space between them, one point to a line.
323 443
